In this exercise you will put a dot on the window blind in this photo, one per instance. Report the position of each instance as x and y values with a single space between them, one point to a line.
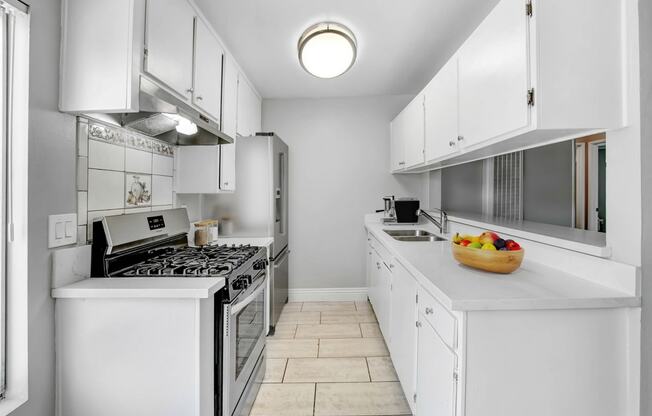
508 186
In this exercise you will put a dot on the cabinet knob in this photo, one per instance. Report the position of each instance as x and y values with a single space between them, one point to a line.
429 311
418 324
451 143
391 266
190 90
226 184
460 138
401 163
199 98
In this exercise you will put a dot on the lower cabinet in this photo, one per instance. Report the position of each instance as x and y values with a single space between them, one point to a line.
437 373
539 362
403 344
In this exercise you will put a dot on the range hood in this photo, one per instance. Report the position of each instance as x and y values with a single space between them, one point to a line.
151 120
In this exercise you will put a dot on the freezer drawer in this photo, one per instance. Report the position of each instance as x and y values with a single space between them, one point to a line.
279 287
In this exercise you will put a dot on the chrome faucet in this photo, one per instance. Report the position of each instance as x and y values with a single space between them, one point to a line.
442 223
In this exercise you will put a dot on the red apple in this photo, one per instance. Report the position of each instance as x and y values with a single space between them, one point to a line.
465 243
512 245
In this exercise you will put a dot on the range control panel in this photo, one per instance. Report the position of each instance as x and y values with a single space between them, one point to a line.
156 222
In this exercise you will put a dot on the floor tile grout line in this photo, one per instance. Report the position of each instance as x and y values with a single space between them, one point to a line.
285 369
366 360
314 401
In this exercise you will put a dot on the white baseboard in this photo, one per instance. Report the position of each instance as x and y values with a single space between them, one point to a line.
328 294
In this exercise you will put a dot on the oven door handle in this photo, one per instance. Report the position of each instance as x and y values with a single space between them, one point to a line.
246 301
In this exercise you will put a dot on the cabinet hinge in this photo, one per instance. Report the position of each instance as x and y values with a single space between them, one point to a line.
417 296
528 8
455 376
530 97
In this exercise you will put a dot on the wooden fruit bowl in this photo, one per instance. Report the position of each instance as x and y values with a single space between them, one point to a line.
488 260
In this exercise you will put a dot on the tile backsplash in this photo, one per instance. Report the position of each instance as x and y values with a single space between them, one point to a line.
119 171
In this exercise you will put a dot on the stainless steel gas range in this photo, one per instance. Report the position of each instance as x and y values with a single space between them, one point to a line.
155 245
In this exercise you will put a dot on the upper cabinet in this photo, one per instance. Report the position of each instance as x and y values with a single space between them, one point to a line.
207 90
494 75
441 113
169 39
531 73
407 131
249 109
108 46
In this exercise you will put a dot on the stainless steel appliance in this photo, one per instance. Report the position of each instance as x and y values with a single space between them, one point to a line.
155 244
259 206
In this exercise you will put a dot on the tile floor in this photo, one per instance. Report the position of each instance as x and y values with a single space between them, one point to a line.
329 359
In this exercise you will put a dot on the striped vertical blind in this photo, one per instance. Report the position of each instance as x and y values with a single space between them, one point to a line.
508 186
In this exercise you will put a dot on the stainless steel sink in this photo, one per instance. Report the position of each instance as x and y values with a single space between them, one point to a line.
412 235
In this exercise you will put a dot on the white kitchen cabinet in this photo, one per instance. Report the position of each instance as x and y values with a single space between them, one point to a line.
384 310
441 113
475 360
169 44
408 131
197 169
437 375
397 147
207 90
494 75
380 285
229 123
249 109
532 73
403 345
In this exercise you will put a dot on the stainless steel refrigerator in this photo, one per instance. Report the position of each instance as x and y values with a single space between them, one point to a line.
259 206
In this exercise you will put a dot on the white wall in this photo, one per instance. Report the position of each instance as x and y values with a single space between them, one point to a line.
339 171
645 10
51 191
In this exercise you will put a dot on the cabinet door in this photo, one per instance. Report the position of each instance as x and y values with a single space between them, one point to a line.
207 93
374 281
441 129
384 312
169 39
403 346
436 374
249 109
413 132
494 75
228 123
397 146
197 169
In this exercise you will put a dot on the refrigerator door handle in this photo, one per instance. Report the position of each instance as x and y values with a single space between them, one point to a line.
281 258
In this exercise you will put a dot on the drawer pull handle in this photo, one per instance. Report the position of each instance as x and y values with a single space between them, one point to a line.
429 311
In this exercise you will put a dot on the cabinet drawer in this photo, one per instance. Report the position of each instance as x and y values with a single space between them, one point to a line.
380 249
439 317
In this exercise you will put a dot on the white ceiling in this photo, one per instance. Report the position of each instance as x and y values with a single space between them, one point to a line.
401 44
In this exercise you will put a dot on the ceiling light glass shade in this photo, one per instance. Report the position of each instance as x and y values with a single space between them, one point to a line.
327 50
184 126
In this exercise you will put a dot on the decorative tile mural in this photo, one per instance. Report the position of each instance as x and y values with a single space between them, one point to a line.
119 171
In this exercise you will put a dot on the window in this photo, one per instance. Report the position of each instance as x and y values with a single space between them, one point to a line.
14 72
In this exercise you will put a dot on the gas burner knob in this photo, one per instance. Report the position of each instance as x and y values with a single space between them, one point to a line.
260 264
239 284
247 278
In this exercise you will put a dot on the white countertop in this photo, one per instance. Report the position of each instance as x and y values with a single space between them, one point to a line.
141 287
533 286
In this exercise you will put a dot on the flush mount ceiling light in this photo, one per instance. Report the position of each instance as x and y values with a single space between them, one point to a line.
327 50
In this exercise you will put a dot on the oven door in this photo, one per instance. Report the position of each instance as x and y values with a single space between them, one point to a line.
244 342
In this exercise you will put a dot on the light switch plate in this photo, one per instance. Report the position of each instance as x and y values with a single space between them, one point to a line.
62 230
